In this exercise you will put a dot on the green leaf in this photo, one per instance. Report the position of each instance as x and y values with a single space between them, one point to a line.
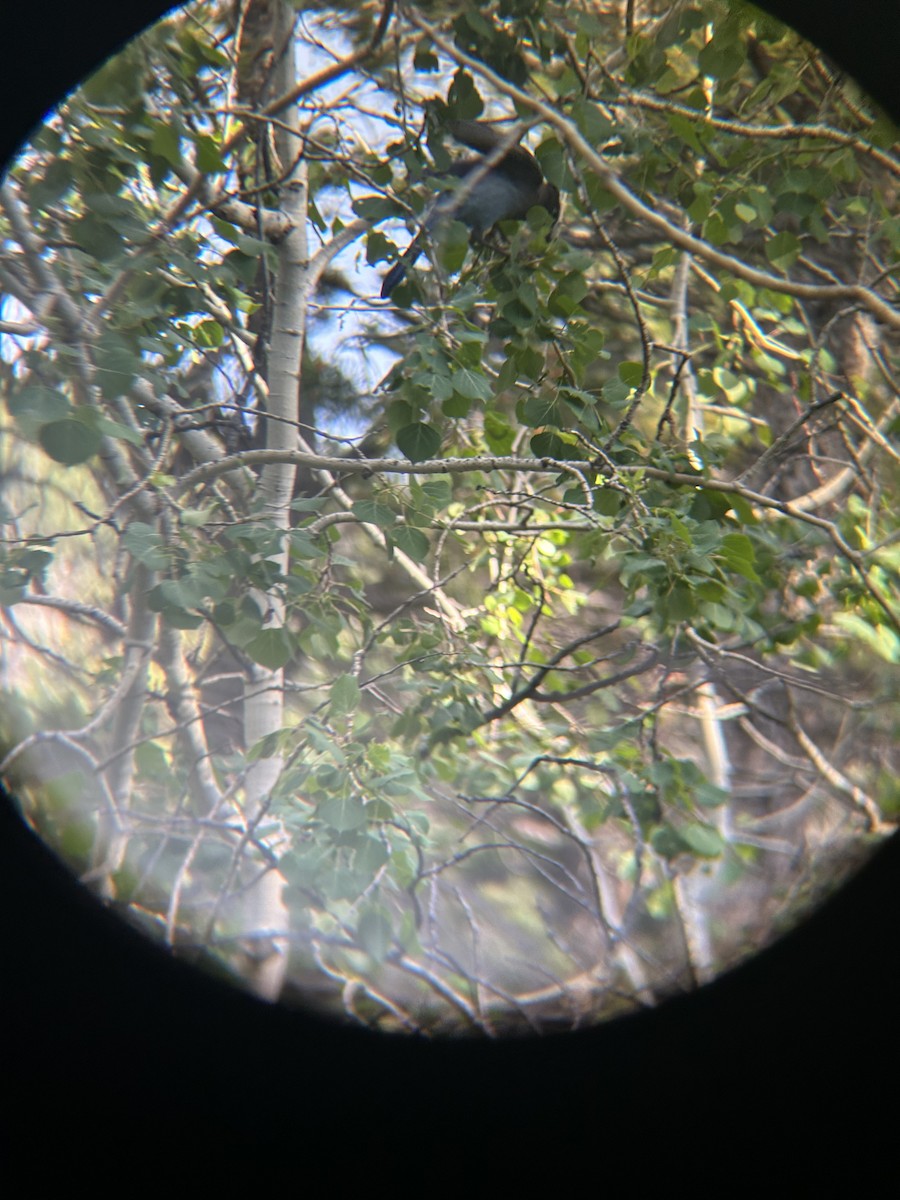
179 618
44 404
783 249
117 363
737 551
631 373
411 541
550 445
679 604
34 561
592 121
271 648
709 795
471 384
372 853
418 441
704 840
96 237
177 594
498 433
438 490
209 333
69 441
687 131
616 392
373 512
374 208
196 518
378 247
723 56
463 99
424 57
165 143
880 638
116 430
543 409
666 842
456 407
13 586
303 546
209 156
345 695
145 544
404 867
342 813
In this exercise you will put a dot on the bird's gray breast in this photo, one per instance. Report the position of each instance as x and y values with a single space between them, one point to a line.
493 198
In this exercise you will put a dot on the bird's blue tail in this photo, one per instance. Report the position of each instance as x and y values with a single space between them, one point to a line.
393 277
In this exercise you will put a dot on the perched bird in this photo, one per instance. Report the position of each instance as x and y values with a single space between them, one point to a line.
504 191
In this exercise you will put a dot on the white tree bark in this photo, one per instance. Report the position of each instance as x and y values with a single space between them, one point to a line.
264 692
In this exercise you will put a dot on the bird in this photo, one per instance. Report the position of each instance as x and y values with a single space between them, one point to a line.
503 191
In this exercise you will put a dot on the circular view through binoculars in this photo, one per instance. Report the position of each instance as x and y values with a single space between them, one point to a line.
449 498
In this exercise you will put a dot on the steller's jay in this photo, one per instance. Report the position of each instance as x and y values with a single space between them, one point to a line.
505 192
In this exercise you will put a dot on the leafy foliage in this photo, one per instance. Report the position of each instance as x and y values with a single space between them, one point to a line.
556 612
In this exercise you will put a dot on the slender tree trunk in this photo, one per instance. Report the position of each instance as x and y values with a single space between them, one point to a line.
264 695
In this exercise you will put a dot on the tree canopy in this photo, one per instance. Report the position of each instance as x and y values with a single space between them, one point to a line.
507 655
